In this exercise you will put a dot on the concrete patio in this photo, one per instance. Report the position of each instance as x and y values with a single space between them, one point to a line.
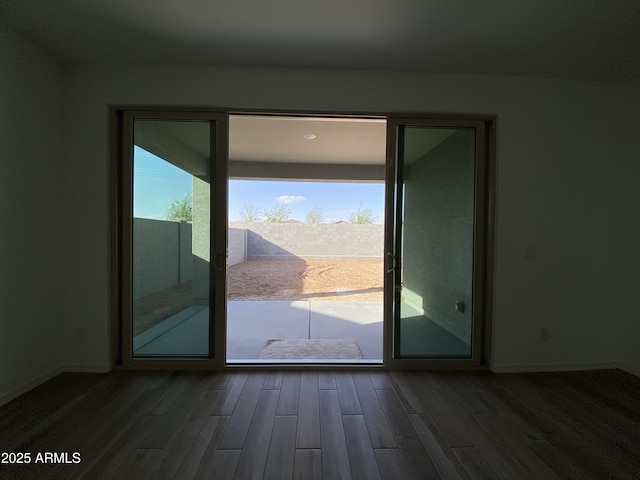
250 324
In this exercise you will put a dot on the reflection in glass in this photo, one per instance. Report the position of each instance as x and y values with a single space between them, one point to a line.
437 242
171 238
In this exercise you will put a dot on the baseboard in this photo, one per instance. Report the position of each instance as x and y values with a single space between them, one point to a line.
549 367
629 369
30 384
87 367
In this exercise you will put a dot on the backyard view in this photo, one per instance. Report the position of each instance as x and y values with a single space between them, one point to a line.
317 280
311 287
299 253
305 274
304 256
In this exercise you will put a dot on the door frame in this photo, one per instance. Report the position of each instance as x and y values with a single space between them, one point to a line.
120 236
482 285
122 227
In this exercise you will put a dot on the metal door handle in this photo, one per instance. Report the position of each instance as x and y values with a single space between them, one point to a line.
216 265
393 262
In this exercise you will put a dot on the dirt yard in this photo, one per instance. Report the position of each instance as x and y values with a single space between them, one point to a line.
318 280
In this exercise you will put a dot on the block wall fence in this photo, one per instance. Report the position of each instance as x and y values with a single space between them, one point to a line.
288 241
162 250
161 255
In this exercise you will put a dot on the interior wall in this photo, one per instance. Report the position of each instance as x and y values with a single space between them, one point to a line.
438 233
556 191
32 216
627 253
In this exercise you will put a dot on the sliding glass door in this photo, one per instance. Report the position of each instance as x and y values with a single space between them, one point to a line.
176 255
436 247
170 253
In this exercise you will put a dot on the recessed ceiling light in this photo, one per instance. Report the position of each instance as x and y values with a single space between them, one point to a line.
309 136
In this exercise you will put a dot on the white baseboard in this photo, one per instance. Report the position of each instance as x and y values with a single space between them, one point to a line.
549 367
30 384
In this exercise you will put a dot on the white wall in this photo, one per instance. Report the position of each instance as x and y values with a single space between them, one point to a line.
628 252
561 158
31 216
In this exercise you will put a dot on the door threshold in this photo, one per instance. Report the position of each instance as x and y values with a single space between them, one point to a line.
301 362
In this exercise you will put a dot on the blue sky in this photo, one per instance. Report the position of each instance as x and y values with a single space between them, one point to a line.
157 183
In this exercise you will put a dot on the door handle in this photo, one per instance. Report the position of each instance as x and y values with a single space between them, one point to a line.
393 262
216 257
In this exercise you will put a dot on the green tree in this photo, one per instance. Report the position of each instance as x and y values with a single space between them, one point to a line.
250 213
278 213
181 210
315 215
362 216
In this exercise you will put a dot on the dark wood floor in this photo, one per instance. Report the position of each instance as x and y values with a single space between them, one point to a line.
281 425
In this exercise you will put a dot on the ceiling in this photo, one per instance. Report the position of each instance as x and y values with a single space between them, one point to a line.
275 139
282 139
578 39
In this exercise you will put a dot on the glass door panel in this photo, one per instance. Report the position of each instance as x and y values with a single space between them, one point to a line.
171 238
434 314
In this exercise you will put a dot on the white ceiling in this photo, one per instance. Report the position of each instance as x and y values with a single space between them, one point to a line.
281 139
276 139
580 39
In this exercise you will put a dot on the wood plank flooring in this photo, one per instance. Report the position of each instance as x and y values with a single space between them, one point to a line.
328 424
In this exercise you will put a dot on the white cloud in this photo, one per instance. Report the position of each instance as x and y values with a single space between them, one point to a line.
289 199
